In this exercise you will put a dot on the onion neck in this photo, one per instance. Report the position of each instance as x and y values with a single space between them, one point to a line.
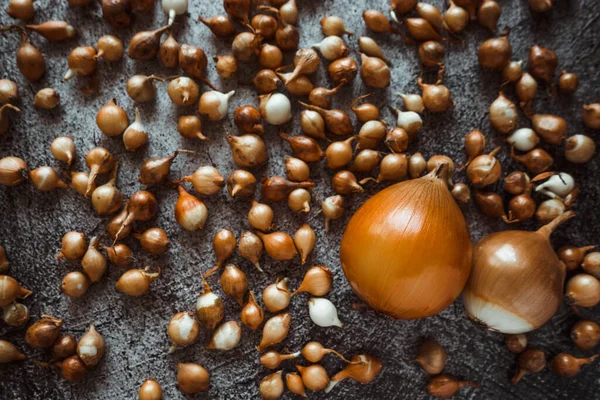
547 229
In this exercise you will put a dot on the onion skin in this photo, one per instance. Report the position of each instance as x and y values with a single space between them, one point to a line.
403 247
500 294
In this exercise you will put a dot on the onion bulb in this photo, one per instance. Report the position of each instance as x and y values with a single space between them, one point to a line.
362 368
517 279
416 237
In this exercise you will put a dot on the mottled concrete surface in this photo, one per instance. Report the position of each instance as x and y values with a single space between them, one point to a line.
32 223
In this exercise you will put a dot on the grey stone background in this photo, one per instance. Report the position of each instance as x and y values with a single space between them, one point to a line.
32 223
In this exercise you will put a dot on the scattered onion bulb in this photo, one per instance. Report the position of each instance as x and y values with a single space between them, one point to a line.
82 62
304 239
573 256
591 264
46 99
516 343
30 60
154 241
73 246
94 263
65 346
410 121
275 108
9 91
445 386
13 171
332 48
591 115
585 335
457 18
271 386
141 206
190 212
21 9
265 26
174 8
579 149
250 248
63 149
557 186
183 91
536 161
141 88
314 352
210 309
495 53
314 377
248 151
112 119
144 45
366 111
192 378
334 26
136 282
224 244
276 296
540 5
46 179
516 183
503 114
215 104
150 390
234 283
10 290
294 383
582 290
332 208
246 46
516 259
9 352
485 169
219 25
275 330
226 337
513 71
260 216
226 66
549 209
4 119
15 314
206 180
190 127
374 72
362 368
91 347
317 281
75 284
523 139
272 359
564 364
431 356
107 199
120 255
241 183
183 330
323 313
110 48
44 332
278 245
252 315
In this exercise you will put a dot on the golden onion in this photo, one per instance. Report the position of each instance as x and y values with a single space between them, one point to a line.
407 250
517 279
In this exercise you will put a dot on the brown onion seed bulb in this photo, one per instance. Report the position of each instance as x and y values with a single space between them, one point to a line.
457 18
252 315
485 169
250 248
270 57
431 53
226 66
397 139
99 161
529 361
585 335
65 346
513 71
271 386
551 128
276 188
299 200
190 212
421 29
503 114
366 111
9 91
376 21
135 282
488 14
11 290
436 97
183 91
461 193
375 72
332 208
94 263
246 46
141 88
536 161
591 264
431 356
591 115
365 161
526 89
495 53
312 124
46 179
30 60
91 347
516 343
542 63
72 368
260 216
580 149
304 148
46 99
120 255
116 12
241 184
343 70
144 45
15 314
322 97
219 25
540 5
183 329
278 245
520 208
150 390
582 290
266 81
154 241
332 48
314 377
73 246
43 333
489 203
192 378
573 256
112 119
549 210
339 154
234 283
248 151
21 9
82 62
336 121
190 127
344 183
568 82
265 26
296 170
516 183
63 149
564 364
110 48
334 26
445 386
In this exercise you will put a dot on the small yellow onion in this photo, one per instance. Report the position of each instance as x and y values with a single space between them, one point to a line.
410 238
150 390
363 368
517 279
10 290
13 171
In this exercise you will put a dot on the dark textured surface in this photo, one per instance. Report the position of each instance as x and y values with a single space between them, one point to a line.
32 223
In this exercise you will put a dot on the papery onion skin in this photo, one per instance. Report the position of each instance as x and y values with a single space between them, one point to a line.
501 298
407 250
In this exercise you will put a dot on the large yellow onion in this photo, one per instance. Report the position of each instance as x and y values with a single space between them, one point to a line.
517 279
407 250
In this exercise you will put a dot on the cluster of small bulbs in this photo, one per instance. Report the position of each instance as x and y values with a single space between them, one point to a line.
249 151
